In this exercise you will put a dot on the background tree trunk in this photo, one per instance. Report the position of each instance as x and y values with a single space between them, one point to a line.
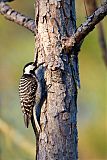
56 20
92 6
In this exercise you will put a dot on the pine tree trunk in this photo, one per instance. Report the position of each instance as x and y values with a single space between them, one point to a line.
55 19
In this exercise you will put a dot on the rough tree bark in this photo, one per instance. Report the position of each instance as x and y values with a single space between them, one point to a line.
57 43
56 20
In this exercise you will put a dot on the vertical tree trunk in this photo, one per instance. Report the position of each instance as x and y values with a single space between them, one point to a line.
55 20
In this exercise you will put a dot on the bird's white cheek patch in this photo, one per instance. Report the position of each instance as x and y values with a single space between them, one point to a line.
28 69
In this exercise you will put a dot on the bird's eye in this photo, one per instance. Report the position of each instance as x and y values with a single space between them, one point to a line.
32 71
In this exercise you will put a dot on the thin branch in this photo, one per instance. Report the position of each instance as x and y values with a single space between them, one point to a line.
85 27
17 17
90 23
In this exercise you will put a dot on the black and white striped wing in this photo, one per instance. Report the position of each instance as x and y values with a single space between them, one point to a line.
27 94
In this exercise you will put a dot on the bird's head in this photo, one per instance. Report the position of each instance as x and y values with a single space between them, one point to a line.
30 68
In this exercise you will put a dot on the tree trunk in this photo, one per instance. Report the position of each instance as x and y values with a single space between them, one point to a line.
56 20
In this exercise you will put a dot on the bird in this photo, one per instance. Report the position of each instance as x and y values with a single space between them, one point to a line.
29 85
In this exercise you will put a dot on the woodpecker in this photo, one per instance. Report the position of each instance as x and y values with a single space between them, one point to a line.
29 87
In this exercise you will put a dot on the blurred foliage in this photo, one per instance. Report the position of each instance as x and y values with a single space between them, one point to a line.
16 49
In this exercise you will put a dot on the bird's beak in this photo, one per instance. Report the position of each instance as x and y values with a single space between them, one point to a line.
41 64
34 64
